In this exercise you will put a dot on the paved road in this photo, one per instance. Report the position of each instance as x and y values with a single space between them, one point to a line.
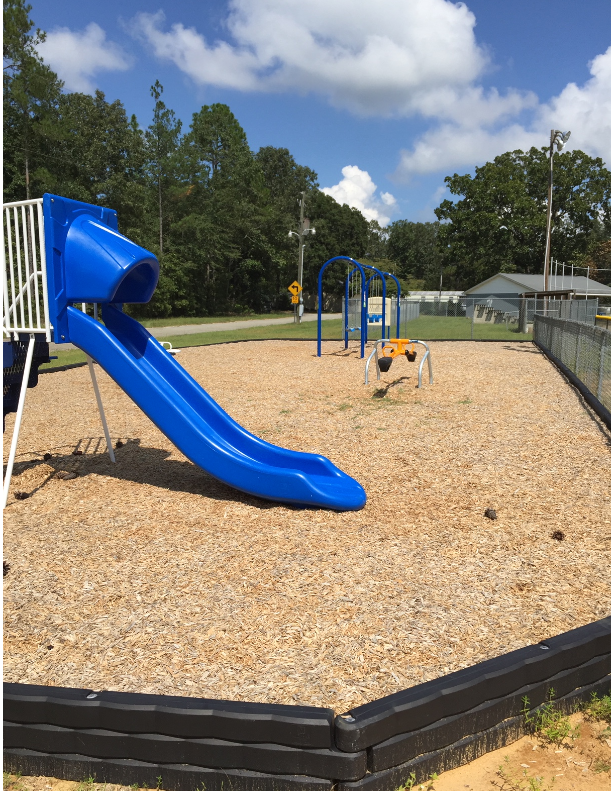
223 326
219 326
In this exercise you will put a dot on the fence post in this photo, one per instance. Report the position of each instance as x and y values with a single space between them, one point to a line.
599 390
578 351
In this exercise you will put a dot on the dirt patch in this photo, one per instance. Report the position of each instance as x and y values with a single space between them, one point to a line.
151 576
531 765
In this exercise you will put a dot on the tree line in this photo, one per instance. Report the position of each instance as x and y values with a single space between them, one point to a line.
217 214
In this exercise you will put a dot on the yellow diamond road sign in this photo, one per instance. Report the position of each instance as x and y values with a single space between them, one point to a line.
295 288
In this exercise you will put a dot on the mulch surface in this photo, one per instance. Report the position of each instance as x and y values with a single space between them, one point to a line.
151 576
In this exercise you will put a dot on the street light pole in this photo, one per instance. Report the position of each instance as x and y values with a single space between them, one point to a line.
300 264
558 139
303 230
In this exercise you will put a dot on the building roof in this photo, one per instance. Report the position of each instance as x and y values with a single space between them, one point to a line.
436 293
577 283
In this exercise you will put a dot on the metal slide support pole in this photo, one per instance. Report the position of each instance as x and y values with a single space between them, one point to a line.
18 417
98 398
96 390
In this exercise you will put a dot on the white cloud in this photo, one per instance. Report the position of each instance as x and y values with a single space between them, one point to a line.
390 58
585 110
77 56
384 58
359 192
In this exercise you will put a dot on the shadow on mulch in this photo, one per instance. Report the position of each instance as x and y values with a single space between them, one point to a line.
144 465
522 349
381 392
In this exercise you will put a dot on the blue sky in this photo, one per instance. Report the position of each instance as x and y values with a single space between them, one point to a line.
382 99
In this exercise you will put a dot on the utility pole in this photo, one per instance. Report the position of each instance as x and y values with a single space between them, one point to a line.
299 307
558 139
304 228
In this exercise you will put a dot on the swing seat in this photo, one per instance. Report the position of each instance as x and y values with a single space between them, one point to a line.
384 363
411 356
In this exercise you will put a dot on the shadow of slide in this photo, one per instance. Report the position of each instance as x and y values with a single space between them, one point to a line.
145 465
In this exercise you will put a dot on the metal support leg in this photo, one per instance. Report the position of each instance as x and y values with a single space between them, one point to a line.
96 390
21 404
98 398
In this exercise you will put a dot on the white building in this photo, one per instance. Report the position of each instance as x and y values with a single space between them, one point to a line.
512 284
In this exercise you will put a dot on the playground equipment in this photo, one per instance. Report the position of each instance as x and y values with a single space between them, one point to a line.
398 347
363 316
64 252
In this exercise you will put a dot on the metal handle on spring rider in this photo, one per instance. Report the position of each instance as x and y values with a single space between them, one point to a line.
427 356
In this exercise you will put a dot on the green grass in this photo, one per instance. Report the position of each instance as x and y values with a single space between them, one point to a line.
423 328
184 321
548 722
431 328
439 327
332 330
67 357
600 708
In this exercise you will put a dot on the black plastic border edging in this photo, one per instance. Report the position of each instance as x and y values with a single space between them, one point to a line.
309 727
589 397
420 706
466 749
136 738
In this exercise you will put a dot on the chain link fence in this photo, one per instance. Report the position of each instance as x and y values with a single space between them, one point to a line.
463 317
583 348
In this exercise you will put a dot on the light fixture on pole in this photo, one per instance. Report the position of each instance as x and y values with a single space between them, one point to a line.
558 139
304 228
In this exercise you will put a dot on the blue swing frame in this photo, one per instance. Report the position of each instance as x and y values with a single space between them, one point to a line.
364 300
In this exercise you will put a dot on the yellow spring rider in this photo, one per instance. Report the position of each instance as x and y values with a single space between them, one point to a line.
397 347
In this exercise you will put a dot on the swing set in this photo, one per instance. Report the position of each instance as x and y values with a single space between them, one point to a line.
361 301
363 304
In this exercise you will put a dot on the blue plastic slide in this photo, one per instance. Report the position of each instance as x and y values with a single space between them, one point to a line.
92 262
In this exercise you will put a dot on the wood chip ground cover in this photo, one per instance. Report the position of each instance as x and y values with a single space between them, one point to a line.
151 576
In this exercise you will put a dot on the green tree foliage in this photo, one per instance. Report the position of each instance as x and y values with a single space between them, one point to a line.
414 246
220 230
377 241
215 213
218 215
162 139
284 182
499 223
31 96
340 230
101 158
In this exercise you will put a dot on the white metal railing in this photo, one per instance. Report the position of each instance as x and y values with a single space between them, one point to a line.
25 303
25 295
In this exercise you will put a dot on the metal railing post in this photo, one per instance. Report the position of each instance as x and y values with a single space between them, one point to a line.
22 393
